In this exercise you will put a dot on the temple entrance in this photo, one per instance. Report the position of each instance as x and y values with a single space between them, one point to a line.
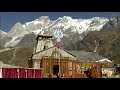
56 70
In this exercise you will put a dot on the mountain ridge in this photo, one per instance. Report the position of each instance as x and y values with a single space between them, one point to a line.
69 27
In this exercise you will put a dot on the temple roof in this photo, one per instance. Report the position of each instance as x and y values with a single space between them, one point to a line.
53 47
44 35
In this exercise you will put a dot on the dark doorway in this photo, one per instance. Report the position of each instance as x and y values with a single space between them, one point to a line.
56 70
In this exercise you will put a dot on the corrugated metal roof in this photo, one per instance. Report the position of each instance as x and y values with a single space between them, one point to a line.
86 56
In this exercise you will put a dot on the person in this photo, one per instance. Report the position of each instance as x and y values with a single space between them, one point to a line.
101 73
89 73
81 70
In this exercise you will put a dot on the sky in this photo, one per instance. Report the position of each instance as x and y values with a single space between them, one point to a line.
9 19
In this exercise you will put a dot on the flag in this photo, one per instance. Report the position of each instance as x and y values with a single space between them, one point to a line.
58 42
58 45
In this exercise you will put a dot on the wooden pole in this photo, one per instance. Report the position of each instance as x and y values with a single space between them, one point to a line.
26 72
34 73
50 64
18 72
59 65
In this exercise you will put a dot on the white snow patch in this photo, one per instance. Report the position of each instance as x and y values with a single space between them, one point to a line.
6 49
68 17
81 25
24 26
27 23
37 31
13 42
2 32
65 35
37 22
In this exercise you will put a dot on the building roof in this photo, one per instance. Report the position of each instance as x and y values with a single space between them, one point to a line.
86 56
56 47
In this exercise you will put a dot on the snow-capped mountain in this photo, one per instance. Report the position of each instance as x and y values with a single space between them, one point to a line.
71 28
17 30
63 23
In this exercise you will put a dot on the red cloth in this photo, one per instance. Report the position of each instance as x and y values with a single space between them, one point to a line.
4 72
13 72
9 72
38 73
30 73
21 73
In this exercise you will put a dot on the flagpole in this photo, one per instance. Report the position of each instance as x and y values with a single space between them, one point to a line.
59 64
59 56
58 34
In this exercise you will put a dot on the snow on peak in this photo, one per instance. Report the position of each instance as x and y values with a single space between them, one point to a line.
2 32
24 26
96 18
42 17
66 24
36 32
81 25
67 17
37 22
77 25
